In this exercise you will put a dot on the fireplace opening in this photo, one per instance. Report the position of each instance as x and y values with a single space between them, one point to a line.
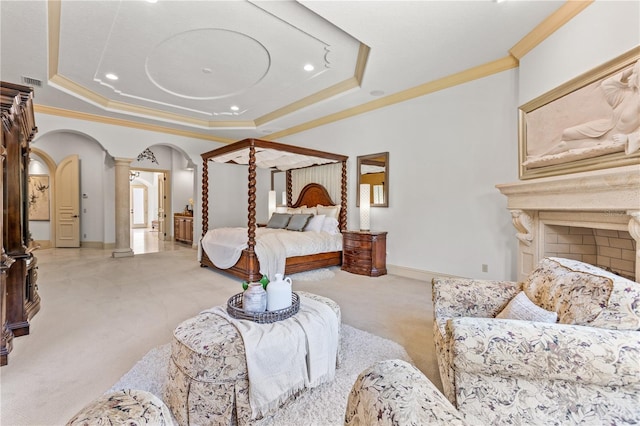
613 250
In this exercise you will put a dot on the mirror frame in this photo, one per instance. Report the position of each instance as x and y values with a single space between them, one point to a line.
363 159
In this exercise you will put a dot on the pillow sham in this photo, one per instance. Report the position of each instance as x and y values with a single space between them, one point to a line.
315 223
307 210
279 220
329 211
296 210
330 225
298 222
522 308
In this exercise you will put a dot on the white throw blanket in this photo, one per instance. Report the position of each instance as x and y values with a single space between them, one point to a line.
289 355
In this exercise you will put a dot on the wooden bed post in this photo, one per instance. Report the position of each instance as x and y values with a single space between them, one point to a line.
289 188
252 198
205 196
343 198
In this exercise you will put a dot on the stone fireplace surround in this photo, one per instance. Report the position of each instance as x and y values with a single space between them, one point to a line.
603 200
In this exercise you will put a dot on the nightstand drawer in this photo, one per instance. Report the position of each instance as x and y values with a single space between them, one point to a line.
364 253
356 253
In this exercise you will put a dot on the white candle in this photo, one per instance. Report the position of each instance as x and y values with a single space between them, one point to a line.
284 198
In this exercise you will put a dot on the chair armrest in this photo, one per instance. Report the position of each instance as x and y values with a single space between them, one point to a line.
462 297
543 351
393 392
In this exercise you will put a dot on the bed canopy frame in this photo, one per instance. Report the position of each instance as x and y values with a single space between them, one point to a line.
267 154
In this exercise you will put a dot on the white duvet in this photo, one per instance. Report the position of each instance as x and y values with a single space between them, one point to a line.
224 246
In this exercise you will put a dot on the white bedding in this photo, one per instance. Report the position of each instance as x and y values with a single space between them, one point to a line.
224 246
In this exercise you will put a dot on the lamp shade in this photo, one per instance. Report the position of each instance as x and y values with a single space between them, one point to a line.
272 203
365 206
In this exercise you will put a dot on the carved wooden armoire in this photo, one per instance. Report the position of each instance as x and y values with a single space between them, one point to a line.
20 299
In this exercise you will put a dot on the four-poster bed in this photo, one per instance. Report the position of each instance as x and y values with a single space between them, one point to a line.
266 154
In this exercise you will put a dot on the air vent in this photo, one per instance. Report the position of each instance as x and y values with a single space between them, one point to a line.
31 81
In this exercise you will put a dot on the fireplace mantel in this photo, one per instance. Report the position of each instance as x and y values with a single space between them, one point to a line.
615 189
605 199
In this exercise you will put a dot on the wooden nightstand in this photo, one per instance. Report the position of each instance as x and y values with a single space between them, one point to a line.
364 252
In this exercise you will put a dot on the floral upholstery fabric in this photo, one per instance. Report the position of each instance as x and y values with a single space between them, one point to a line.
456 297
394 392
207 376
125 407
585 369
521 372
578 294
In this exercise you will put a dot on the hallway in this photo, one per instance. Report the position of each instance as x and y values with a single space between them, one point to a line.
145 240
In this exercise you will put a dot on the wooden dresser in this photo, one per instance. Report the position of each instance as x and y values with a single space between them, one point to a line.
364 252
183 228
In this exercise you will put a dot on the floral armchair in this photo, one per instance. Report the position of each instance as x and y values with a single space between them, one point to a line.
584 368
394 392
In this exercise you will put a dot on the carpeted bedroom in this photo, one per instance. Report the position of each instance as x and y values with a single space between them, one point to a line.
108 321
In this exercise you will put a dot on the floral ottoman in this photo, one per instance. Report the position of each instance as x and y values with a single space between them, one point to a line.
124 407
207 379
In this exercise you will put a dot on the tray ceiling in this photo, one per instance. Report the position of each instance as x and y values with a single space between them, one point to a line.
227 70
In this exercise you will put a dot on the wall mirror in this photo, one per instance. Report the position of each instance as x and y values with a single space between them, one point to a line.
374 170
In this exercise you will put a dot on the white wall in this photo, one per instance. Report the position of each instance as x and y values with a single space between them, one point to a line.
446 152
598 34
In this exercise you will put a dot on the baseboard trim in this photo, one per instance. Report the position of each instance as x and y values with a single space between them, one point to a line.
416 274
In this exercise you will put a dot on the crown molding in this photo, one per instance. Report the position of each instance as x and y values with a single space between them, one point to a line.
503 64
66 84
43 109
551 24
547 27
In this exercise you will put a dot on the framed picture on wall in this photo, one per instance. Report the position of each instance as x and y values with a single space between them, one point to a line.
591 122
39 198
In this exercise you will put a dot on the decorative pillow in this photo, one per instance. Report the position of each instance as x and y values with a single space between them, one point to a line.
577 291
315 223
298 222
330 225
296 210
309 210
279 220
329 211
521 308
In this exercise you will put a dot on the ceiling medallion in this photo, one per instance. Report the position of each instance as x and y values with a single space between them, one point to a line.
227 63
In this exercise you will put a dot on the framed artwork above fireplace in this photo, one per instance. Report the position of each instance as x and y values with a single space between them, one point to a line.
591 122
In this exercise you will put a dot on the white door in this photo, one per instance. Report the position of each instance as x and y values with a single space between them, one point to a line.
67 202
139 206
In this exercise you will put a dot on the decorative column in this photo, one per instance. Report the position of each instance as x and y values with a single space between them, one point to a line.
123 209
634 230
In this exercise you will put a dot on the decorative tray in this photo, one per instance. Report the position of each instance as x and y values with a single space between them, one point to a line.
234 308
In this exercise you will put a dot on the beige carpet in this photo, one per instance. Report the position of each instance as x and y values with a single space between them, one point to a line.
100 315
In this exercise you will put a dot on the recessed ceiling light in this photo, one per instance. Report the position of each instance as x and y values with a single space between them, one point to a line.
207 70
111 76
234 108
309 67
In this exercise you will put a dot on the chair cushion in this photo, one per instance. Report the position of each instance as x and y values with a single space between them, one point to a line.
584 294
